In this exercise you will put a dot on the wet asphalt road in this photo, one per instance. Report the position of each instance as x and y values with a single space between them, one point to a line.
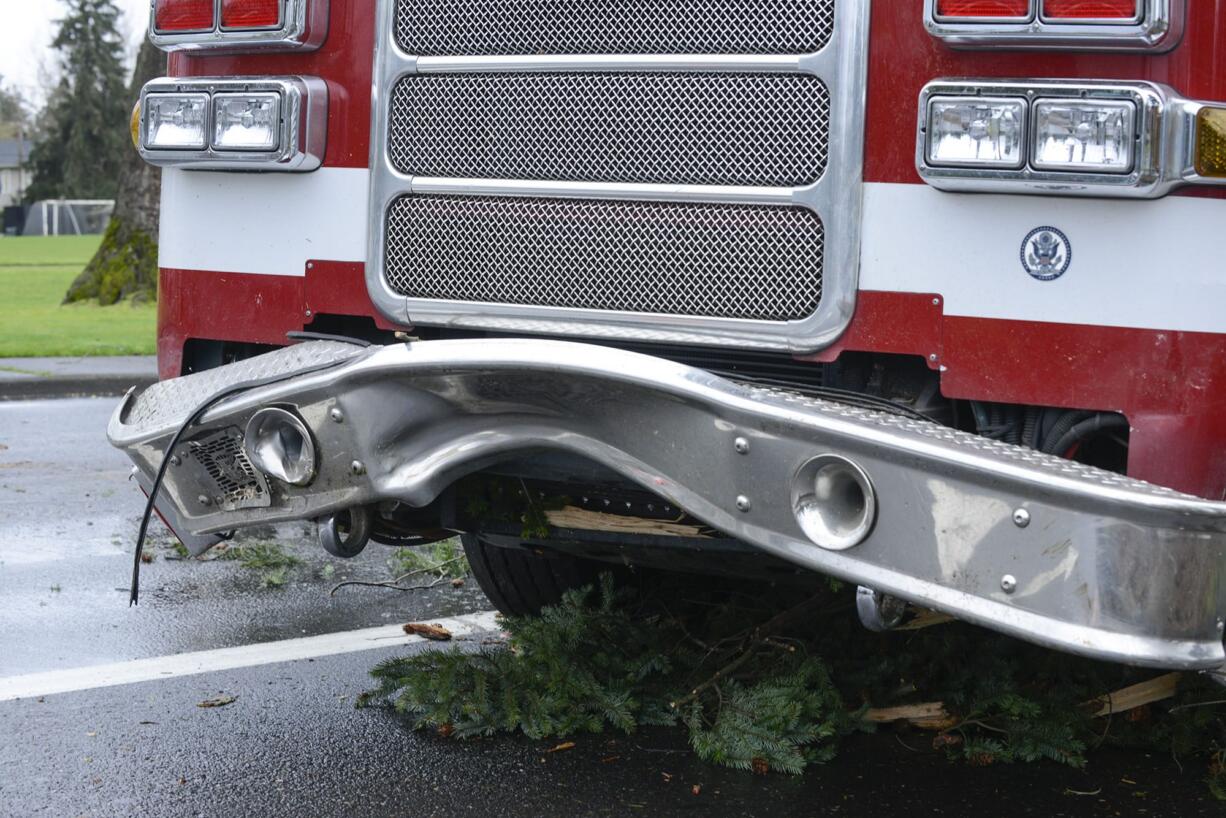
292 743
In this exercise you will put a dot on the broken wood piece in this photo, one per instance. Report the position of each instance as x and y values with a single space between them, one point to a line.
584 520
926 715
1129 698
427 631
924 618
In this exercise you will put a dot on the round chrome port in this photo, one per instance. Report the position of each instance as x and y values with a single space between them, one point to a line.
280 445
834 502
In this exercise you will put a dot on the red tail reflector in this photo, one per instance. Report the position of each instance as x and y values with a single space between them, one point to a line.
983 8
183 15
250 13
1090 9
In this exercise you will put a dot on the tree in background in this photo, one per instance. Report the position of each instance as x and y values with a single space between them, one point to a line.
14 117
126 262
80 138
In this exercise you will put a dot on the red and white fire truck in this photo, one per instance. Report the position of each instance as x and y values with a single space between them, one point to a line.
920 294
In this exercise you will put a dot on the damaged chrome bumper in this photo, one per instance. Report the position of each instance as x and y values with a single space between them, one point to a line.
1031 545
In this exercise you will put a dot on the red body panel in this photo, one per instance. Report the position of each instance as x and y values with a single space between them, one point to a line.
1170 385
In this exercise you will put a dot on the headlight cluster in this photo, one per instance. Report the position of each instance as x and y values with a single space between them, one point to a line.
1067 137
255 123
1057 135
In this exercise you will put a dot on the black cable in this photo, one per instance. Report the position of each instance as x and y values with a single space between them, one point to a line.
1099 422
1063 423
304 335
159 478
862 400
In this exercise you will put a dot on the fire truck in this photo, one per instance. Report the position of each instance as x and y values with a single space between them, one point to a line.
916 294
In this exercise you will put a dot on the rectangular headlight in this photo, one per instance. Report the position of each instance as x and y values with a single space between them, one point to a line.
246 122
986 132
1094 136
175 121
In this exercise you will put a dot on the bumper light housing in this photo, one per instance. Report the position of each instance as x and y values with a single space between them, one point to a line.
1083 135
981 131
175 121
248 123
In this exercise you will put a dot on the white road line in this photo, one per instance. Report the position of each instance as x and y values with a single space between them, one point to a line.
206 661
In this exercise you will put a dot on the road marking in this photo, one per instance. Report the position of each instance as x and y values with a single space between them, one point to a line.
207 661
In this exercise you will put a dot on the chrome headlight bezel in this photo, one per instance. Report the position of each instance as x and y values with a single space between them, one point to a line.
303 124
1162 153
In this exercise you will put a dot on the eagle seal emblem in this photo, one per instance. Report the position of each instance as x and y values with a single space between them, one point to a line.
1046 253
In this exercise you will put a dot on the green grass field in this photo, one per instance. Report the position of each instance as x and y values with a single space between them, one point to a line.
35 272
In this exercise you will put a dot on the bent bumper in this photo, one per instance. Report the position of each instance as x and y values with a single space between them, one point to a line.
1031 545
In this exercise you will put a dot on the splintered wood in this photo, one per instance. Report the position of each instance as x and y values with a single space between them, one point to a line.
584 520
934 716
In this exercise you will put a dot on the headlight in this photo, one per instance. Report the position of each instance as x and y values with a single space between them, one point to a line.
1084 135
983 132
175 121
246 122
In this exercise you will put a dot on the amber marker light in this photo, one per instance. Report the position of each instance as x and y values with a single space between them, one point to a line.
1211 143
134 125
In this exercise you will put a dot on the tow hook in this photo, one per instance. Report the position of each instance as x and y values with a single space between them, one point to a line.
878 611
346 533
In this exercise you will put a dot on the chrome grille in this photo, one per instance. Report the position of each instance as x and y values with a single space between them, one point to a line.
221 455
486 27
674 258
667 128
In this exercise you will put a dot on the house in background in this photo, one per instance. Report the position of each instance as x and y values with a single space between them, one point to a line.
14 179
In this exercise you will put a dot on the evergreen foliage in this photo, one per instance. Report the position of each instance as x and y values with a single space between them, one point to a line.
599 661
763 690
441 559
83 132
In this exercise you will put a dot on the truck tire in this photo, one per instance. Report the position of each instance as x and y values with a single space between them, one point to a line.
519 582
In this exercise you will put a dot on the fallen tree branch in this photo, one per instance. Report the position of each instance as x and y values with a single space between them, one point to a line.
926 715
1134 696
756 638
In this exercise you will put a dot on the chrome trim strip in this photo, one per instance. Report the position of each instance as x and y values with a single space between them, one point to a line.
304 124
615 62
1107 567
1164 151
1158 28
304 26
605 190
836 197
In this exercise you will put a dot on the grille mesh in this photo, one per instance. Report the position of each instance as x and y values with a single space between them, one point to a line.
716 260
666 128
483 27
222 457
